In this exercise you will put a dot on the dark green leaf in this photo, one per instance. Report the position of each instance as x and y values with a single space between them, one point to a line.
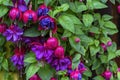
98 78
32 32
46 72
103 58
96 64
2 40
94 50
114 66
76 58
88 73
47 2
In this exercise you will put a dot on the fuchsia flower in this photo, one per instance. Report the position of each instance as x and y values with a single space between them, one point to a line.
47 23
3 27
103 46
42 10
18 57
52 43
15 13
61 64
77 40
35 77
118 9
59 52
107 75
109 43
29 15
53 78
42 52
81 68
14 33
76 75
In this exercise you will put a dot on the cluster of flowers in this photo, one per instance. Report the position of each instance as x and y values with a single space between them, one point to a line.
48 50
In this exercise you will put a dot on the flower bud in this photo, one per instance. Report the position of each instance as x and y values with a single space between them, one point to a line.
59 52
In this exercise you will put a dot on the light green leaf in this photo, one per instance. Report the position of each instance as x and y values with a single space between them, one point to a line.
5 64
32 69
3 10
96 64
98 5
98 78
66 23
87 19
47 2
110 25
30 60
76 58
94 50
106 17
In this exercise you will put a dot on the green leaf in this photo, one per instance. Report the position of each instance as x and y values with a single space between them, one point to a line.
3 10
30 60
64 78
96 43
90 5
67 33
96 64
32 69
103 58
77 46
46 72
98 78
117 53
94 50
61 72
26 1
66 23
106 17
87 73
114 66
110 25
98 5
112 48
76 58
87 19
118 75
2 40
63 7
7 3
95 30
47 2
111 55
5 64
63 1
112 1
32 32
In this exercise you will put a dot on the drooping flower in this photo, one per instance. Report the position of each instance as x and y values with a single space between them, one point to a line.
3 27
118 9
42 52
18 57
81 68
15 13
35 77
109 43
53 78
61 64
76 75
52 43
21 5
29 15
14 33
103 46
59 52
43 10
47 23
107 74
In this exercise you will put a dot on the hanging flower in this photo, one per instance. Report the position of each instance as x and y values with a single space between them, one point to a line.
3 27
15 13
42 10
107 74
29 15
47 23
13 34
35 77
81 68
21 5
61 64
18 57
42 52
76 75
